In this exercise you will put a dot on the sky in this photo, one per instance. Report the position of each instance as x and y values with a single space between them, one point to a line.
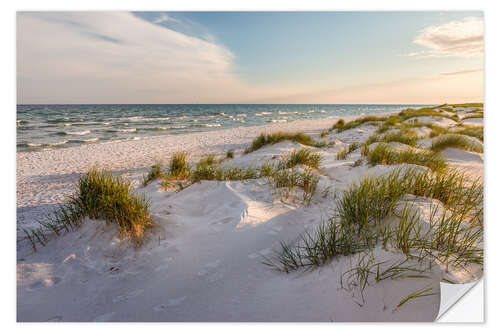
249 57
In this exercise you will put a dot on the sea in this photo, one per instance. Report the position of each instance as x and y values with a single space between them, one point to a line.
41 127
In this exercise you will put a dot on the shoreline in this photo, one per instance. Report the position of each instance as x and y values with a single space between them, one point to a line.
40 173
243 133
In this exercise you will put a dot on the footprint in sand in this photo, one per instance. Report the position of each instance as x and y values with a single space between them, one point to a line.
171 302
124 297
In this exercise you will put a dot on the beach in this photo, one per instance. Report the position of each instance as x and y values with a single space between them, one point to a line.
204 260
45 177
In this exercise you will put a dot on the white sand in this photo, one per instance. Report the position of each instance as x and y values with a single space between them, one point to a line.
206 264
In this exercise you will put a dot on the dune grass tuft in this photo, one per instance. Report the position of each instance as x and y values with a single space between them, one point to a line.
473 115
383 154
288 179
476 131
208 160
273 138
98 195
303 156
154 173
425 112
459 141
468 105
230 154
342 153
341 126
179 166
405 135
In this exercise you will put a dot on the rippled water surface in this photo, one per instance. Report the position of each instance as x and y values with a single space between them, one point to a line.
58 126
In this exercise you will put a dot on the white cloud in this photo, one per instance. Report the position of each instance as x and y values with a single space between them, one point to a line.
116 57
457 38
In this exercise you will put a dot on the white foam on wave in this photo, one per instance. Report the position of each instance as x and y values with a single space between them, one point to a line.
128 130
78 133
140 118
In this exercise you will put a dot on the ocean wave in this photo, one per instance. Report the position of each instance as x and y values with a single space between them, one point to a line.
56 121
60 143
127 130
277 121
35 145
210 125
157 128
64 120
78 133
144 119
263 113
139 118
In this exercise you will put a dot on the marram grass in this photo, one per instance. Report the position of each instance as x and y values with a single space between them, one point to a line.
342 153
273 138
383 154
179 166
99 195
303 156
360 224
154 173
341 125
459 141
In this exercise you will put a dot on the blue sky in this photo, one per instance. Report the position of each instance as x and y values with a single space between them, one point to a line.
282 57
278 46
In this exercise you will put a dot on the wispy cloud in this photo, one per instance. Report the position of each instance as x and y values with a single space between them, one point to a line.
453 39
463 72
110 57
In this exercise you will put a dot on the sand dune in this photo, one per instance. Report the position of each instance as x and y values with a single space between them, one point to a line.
203 262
